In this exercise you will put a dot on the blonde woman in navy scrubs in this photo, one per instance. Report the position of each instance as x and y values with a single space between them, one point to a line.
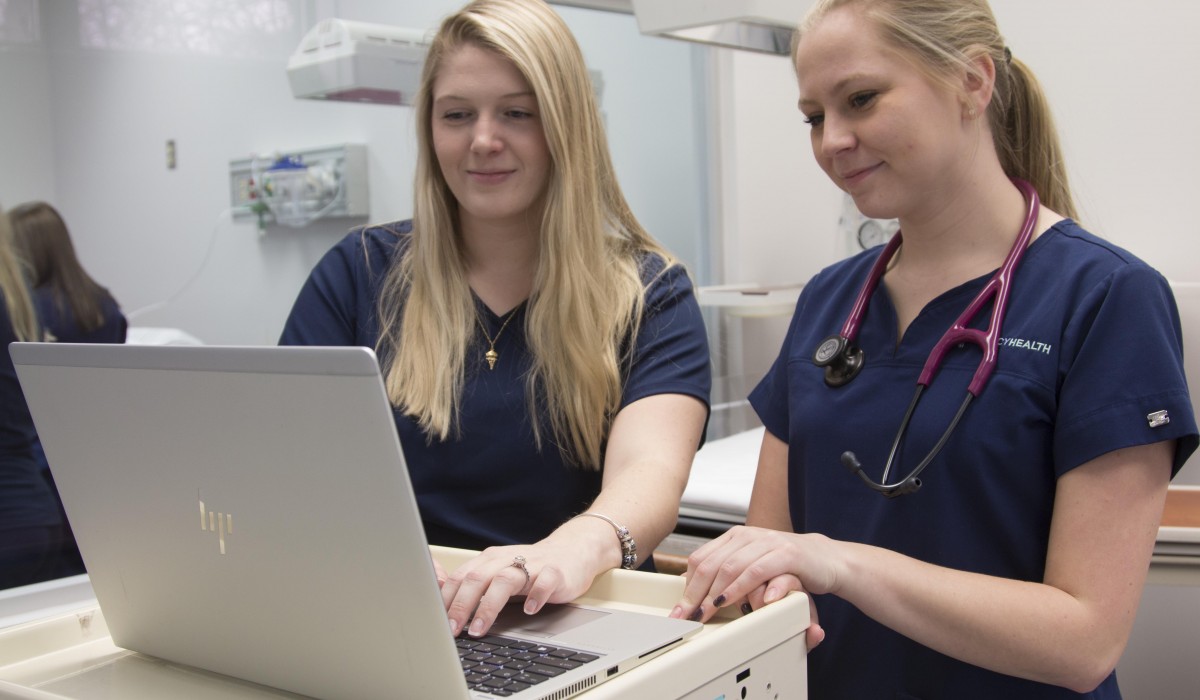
1012 565
546 357
30 522
71 307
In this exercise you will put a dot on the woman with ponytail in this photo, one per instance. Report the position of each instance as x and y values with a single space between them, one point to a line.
1013 567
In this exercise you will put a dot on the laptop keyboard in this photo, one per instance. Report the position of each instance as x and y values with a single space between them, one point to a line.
503 666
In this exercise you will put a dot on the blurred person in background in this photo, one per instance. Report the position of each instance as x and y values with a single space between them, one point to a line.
30 520
71 307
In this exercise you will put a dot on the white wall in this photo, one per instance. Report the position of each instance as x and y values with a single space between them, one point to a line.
103 85
152 234
26 137
1123 88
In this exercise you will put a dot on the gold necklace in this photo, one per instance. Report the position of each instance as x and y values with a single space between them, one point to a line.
491 355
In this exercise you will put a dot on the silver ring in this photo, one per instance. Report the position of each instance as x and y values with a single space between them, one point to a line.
519 562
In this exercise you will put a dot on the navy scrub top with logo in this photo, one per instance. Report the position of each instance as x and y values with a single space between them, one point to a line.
1091 346
493 486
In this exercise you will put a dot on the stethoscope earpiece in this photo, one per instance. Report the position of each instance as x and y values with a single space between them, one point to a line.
841 359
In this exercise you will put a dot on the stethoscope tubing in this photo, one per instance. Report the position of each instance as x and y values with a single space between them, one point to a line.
859 310
996 290
999 287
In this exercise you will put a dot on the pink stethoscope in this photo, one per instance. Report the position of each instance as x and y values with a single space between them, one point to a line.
843 360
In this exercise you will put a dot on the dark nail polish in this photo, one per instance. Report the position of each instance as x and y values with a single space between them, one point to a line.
719 601
746 609
697 614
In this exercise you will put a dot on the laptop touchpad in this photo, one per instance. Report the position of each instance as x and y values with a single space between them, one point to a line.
550 621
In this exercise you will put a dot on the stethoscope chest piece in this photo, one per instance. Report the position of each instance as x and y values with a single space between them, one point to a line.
841 359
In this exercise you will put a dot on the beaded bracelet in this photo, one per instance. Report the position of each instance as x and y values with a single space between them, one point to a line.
629 556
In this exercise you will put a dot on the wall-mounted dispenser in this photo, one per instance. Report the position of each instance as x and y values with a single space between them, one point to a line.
351 61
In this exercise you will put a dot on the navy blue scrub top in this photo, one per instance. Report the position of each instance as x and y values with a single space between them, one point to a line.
60 323
1091 345
492 486
26 500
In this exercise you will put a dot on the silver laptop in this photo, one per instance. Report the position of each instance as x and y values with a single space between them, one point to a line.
247 510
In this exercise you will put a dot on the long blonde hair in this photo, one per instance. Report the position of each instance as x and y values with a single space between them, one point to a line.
943 37
13 286
587 296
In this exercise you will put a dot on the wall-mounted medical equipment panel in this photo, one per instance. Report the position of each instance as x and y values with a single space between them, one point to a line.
858 232
295 188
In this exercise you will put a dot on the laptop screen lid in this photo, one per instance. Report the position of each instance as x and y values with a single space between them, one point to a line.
247 510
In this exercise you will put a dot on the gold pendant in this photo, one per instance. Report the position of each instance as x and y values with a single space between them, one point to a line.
491 356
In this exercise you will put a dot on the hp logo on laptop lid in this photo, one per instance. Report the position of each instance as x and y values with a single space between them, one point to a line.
220 523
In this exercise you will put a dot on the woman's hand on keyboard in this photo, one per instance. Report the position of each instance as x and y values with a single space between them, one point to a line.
560 569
